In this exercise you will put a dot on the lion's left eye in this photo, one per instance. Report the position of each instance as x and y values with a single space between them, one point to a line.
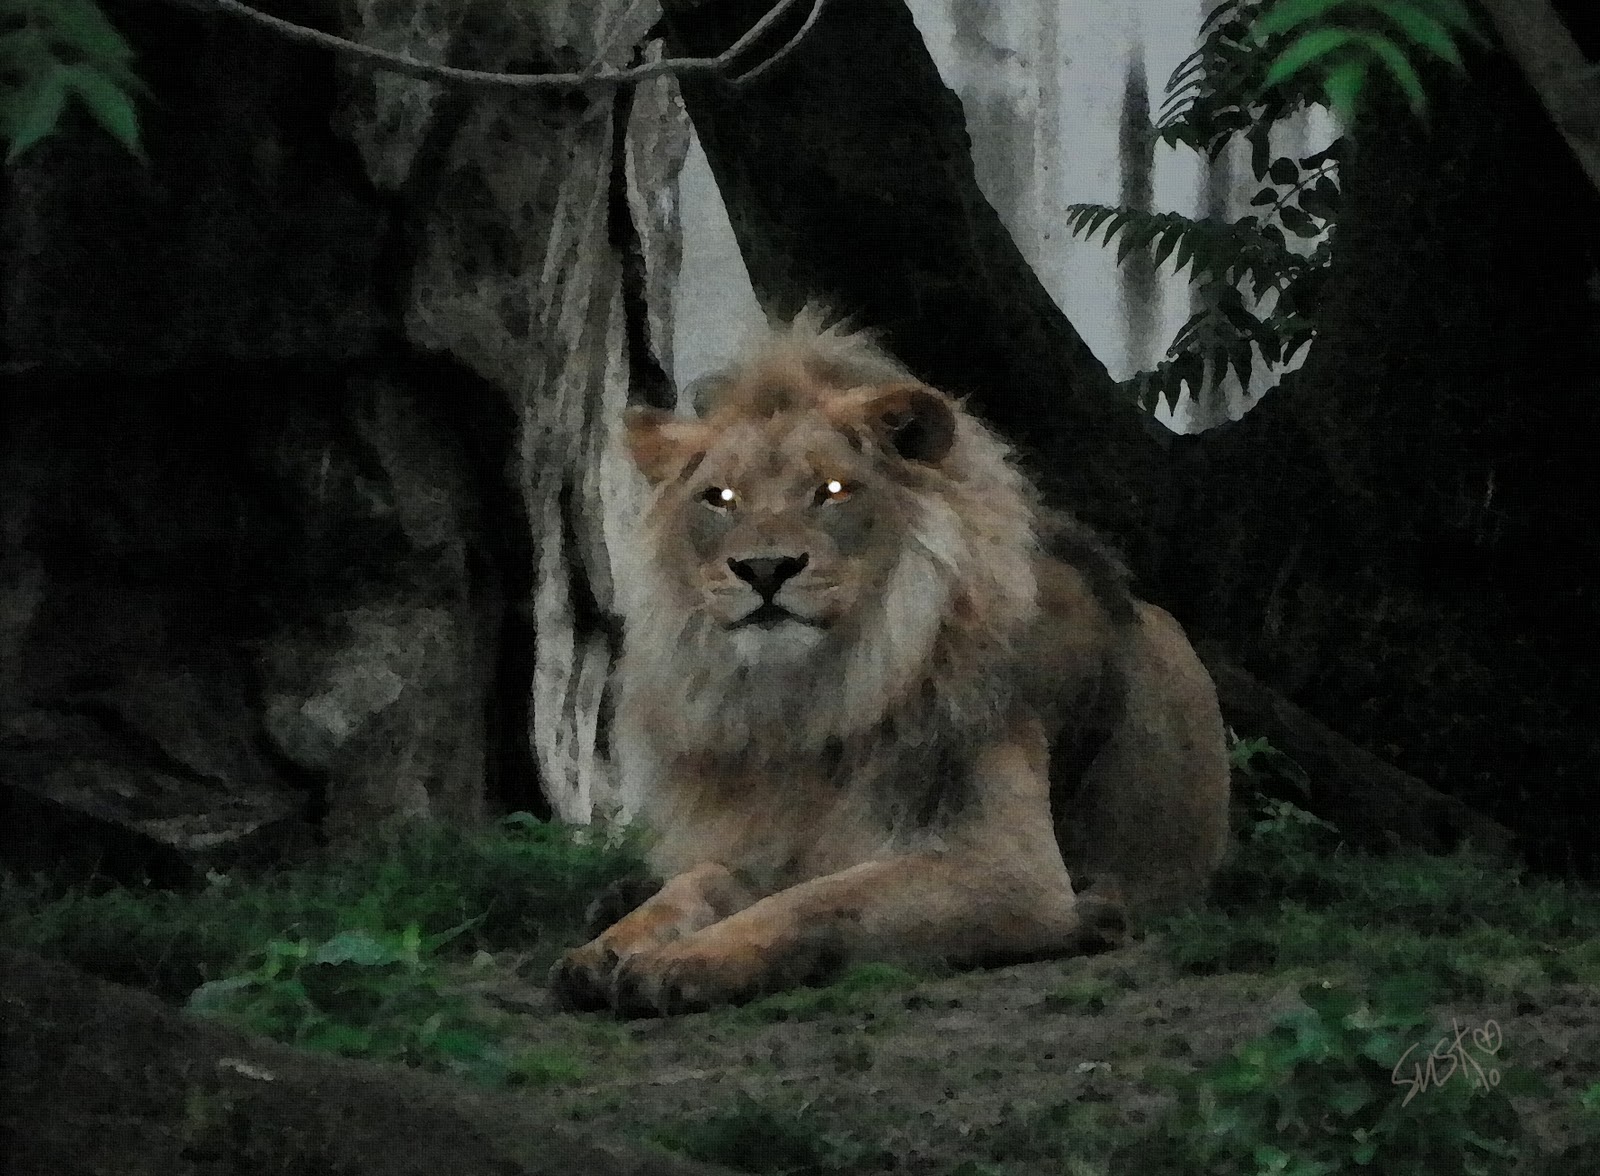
833 490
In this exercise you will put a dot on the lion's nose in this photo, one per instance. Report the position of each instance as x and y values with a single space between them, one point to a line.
767 574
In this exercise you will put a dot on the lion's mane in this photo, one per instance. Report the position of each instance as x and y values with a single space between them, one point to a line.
930 660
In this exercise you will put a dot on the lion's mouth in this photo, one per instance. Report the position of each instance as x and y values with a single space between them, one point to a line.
769 616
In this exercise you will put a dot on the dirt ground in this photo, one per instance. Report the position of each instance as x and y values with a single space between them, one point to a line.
1016 1070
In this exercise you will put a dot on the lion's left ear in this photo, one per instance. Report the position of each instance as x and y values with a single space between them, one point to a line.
662 444
913 420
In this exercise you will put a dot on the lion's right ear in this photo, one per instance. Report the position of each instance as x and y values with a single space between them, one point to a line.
662 444
911 419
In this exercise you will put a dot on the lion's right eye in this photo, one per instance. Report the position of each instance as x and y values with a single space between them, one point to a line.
718 497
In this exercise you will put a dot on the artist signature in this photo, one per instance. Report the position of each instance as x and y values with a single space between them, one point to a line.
1447 1056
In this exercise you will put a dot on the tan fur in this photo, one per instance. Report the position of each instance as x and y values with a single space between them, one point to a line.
931 712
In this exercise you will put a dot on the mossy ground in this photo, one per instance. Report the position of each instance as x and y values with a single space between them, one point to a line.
434 951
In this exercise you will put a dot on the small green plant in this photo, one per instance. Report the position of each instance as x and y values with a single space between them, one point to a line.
1345 1083
1281 851
355 993
357 956
1284 829
1263 765
374 995
55 50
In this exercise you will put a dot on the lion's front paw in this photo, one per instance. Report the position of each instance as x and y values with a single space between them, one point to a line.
581 980
682 978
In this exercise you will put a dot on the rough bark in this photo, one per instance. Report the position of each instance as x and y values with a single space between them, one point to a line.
306 488
97 1079
1377 578
514 273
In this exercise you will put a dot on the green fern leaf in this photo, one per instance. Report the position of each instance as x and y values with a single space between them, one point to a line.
34 110
1309 49
81 25
1291 14
1423 29
1392 57
109 104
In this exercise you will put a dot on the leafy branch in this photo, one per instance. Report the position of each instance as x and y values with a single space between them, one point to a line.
1255 291
1257 280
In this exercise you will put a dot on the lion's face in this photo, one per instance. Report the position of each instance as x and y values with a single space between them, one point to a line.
778 529
827 543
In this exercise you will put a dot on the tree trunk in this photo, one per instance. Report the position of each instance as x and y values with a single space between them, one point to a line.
1390 538
516 272
1566 82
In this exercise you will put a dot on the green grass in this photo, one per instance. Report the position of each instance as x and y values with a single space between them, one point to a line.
366 956
1317 1094
356 957
522 886
1292 897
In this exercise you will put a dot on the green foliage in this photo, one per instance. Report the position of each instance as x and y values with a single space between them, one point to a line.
359 993
361 957
1344 40
1255 291
1258 281
527 884
380 995
1351 1081
55 50
1291 896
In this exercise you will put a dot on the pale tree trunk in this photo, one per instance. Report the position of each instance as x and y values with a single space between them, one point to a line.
514 273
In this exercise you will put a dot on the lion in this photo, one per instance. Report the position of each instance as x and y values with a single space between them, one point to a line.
877 703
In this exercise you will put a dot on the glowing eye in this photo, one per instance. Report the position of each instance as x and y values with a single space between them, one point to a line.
832 490
720 497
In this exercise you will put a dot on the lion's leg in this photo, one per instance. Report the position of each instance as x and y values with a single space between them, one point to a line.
1149 823
687 903
918 908
997 890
